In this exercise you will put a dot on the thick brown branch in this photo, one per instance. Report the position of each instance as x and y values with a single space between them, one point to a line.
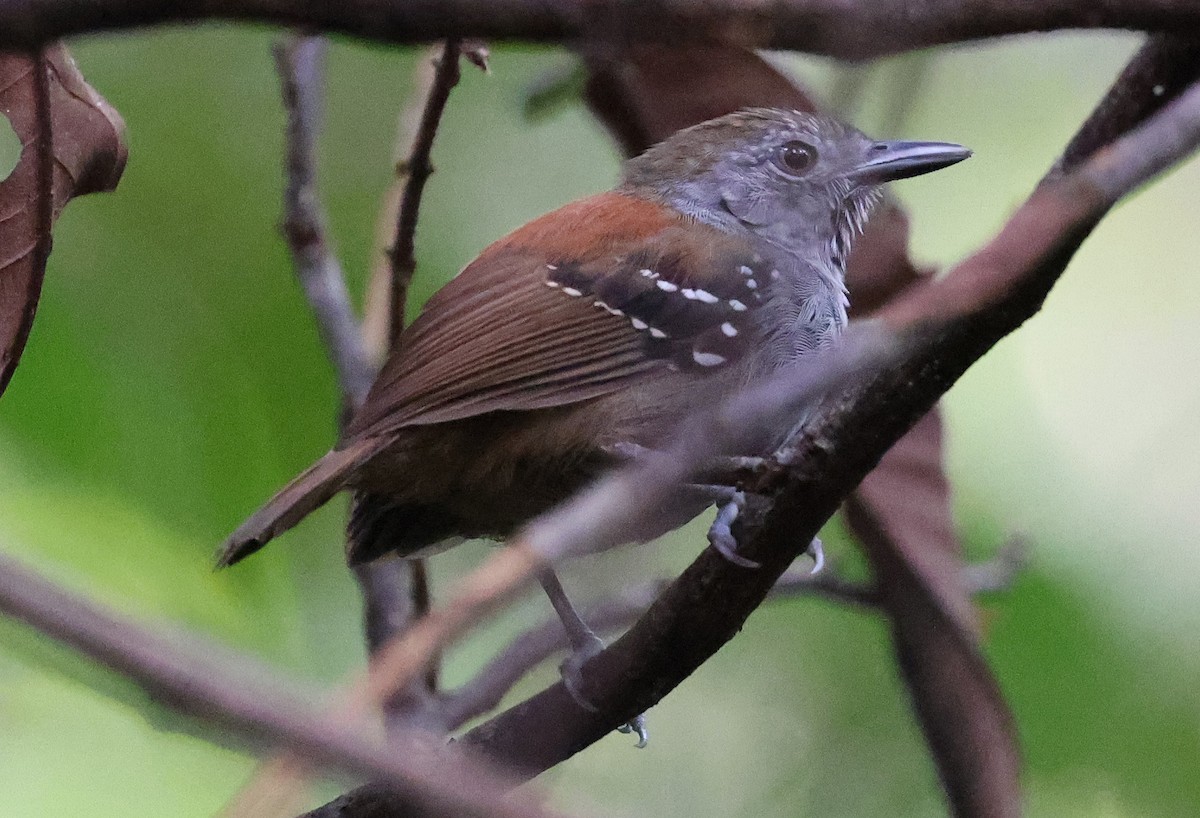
852 29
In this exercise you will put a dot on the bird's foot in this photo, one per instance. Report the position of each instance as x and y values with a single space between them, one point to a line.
720 533
571 671
637 726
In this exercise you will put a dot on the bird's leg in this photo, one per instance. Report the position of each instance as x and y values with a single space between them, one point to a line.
584 645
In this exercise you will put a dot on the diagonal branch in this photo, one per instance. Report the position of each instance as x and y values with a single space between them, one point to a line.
238 695
851 29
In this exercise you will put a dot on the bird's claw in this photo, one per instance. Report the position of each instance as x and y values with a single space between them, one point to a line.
637 725
817 551
720 533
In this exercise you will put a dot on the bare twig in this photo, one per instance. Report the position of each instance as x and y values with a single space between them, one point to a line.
394 593
248 700
418 169
385 585
852 29
484 692
299 63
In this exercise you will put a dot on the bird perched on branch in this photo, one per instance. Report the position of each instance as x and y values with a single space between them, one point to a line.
596 328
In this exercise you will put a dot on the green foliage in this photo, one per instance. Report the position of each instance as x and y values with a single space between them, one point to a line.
174 379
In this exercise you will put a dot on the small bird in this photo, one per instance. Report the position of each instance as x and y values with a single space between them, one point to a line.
593 330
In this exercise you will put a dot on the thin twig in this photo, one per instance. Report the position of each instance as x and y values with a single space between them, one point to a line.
850 29
418 169
298 61
245 698
385 585
394 593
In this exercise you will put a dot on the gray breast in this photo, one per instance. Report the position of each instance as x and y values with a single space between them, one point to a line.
805 310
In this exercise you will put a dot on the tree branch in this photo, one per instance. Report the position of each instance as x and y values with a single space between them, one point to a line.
390 589
850 29
298 61
395 593
237 694
418 169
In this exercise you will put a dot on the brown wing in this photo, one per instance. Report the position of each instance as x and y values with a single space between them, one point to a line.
570 307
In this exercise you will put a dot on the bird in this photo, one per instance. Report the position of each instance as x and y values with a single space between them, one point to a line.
592 331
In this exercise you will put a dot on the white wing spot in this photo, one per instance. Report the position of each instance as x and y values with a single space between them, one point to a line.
554 284
655 332
638 323
746 271
707 358
736 306
607 309
700 295
551 266
752 284
774 275
649 274
729 330
666 286
571 291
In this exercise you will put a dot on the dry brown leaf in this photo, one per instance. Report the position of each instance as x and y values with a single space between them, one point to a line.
961 708
901 513
89 156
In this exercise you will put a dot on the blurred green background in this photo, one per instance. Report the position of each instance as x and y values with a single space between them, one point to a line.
174 379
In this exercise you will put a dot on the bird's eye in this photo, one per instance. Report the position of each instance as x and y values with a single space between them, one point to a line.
796 157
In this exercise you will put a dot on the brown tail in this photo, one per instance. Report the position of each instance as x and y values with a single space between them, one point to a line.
315 486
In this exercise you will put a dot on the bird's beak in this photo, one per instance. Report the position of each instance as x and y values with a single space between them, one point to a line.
887 161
